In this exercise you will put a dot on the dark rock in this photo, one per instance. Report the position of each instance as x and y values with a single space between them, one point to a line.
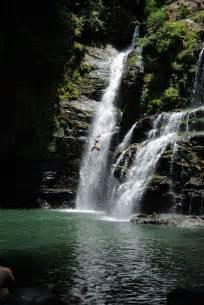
93 84
158 196
123 161
184 169
181 296
141 130
57 197
171 220
131 88
153 219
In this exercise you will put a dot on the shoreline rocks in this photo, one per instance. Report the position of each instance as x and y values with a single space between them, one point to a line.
169 220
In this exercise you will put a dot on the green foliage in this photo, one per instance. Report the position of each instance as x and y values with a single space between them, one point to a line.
169 57
150 6
155 180
182 11
94 21
68 90
85 68
171 93
199 17
132 58
154 105
172 36
156 19
170 98
77 24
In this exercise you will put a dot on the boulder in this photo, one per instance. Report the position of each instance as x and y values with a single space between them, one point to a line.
158 196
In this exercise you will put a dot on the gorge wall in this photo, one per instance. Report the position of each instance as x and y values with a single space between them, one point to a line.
66 71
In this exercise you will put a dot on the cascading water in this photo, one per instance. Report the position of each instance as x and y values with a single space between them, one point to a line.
198 90
129 194
126 139
94 164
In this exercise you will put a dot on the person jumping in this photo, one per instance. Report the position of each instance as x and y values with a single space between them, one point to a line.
96 145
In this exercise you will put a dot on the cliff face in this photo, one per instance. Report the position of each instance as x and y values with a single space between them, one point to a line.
62 69
50 44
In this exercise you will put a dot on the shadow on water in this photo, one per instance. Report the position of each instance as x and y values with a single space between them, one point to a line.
88 260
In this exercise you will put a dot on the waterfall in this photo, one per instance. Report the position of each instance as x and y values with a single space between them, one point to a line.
126 139
93 171
129 194
198 90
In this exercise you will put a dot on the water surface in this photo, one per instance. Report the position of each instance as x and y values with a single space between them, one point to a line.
92 261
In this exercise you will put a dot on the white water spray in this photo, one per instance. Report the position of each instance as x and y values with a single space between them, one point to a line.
126 139
129 194
93 171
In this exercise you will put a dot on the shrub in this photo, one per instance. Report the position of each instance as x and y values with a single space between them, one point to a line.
154 106
170 98
199 17
156 19
182 11
171 93
150 6
173 35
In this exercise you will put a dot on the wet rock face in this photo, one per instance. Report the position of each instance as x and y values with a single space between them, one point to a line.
131 88
141 130
93 84
178 182
186 170
124 160
158 196
61 169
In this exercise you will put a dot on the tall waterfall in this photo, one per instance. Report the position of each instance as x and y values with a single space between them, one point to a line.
93 171
198 90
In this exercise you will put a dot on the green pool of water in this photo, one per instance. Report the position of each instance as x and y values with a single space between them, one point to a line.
91 261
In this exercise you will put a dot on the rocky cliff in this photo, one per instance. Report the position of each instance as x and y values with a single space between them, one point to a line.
51 40
65 54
